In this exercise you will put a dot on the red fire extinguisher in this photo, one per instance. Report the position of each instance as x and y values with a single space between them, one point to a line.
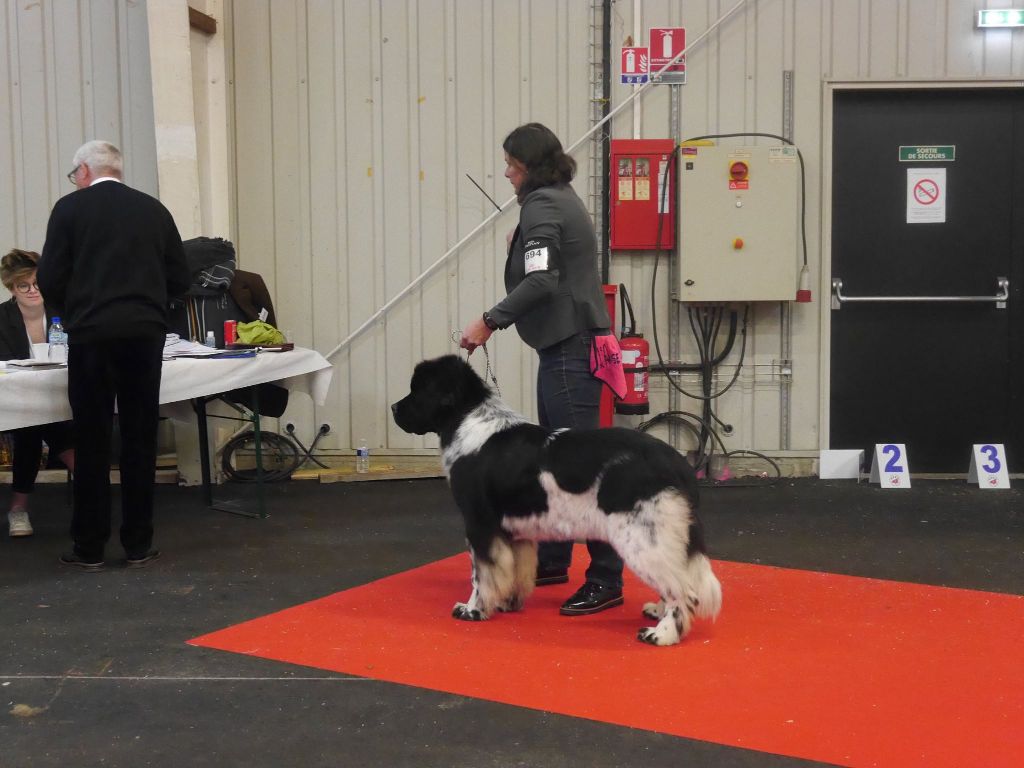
635 363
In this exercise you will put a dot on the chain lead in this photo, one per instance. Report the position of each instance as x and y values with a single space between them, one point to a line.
488 371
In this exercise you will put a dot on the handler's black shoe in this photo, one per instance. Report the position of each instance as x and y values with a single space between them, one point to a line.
141 561
591 598
77 561
548 576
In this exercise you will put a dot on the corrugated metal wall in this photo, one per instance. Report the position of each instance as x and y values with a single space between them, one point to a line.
356 122
735 84
70 71
355 126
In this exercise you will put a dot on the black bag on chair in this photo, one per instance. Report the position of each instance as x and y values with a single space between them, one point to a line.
273 399
208 303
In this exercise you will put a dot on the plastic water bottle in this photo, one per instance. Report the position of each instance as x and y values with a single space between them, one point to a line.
211 340
58 349
362 457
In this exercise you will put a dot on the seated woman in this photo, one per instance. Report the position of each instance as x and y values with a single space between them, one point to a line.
23 322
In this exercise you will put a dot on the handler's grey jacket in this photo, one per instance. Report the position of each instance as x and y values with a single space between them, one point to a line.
551 275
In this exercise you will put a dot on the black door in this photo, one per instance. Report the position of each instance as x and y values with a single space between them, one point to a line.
938 376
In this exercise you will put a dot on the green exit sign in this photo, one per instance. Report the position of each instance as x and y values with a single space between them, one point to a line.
945 154
1001 17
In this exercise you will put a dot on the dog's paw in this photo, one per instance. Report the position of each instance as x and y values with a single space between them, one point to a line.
512 605
463 612
657 636
654 610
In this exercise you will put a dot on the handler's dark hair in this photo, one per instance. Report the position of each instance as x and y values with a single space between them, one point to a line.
537 148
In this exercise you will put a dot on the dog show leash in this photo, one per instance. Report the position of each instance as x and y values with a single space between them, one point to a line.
488 370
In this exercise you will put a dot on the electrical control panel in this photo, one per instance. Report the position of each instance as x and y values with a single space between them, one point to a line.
738 223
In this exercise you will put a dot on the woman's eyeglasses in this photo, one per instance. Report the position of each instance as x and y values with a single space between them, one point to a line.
26 287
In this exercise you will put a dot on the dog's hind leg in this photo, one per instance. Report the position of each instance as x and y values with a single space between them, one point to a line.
653 542
673 626
702 597
654 610
493 579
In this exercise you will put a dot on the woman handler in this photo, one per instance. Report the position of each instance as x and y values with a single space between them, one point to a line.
556 302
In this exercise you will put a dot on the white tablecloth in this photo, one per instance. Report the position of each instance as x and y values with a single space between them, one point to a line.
39 397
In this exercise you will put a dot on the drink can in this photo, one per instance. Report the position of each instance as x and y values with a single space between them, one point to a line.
230 332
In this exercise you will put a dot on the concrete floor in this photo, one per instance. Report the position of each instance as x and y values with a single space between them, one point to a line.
94 669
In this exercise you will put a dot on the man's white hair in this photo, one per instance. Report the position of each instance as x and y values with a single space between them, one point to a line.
100 156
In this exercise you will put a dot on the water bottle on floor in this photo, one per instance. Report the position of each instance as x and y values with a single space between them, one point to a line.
58 349
362 458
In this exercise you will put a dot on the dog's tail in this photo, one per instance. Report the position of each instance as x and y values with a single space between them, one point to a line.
705 586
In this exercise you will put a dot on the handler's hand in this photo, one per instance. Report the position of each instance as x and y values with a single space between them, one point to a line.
476 334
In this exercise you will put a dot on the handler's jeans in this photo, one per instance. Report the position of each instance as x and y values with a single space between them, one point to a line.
569 396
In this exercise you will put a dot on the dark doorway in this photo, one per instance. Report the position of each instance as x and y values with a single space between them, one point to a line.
938 376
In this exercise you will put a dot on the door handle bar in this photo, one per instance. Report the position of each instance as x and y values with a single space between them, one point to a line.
1000 299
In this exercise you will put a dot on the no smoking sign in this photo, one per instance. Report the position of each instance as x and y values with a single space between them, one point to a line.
926 195
926 192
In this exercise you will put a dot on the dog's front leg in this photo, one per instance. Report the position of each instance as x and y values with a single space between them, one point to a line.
524 574
473 609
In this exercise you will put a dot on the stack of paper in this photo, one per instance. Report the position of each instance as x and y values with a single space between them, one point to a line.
39 365
175 346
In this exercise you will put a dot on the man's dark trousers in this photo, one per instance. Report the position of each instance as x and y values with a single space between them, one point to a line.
99 372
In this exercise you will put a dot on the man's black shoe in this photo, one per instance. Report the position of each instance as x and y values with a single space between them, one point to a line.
77 561
141 561
591 598
548 576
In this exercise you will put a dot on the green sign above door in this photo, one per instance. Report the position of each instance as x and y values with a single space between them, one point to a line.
945 154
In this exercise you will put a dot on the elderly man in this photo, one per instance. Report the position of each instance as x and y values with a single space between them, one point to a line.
112 260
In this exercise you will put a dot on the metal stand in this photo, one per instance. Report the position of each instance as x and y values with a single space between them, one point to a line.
231 506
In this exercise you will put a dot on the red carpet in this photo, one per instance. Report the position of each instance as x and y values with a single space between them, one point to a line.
845 670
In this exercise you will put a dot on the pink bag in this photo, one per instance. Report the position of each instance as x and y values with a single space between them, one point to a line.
606 363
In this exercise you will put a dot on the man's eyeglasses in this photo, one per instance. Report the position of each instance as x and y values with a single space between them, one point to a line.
71 175
26 287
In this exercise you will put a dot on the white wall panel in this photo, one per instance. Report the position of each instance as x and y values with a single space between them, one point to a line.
355 126
356 122
735 84
70 71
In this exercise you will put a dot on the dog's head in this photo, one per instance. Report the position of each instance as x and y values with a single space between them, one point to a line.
441 393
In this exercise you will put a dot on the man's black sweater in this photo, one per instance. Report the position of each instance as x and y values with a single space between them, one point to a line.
112 260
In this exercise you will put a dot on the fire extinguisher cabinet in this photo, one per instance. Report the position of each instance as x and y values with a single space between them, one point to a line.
642 192
635 362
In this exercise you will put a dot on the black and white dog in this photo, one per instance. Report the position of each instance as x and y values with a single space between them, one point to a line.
517 483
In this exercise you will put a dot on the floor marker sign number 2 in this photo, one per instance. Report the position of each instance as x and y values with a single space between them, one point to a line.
889 466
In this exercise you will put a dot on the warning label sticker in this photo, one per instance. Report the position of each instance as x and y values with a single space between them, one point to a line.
926 195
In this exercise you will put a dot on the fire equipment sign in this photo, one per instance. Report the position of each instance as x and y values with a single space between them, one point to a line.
667 43
635 62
